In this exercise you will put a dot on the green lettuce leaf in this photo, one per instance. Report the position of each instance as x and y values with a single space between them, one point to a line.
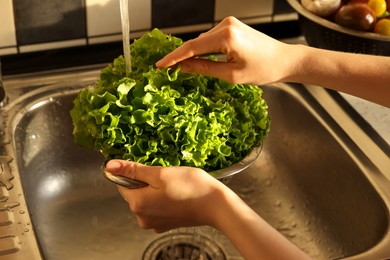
165 117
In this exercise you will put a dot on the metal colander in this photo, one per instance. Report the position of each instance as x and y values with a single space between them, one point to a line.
224 175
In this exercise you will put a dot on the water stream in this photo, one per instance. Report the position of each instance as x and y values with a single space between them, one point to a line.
124 8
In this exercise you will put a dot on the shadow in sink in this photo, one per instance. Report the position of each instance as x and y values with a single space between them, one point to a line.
305 184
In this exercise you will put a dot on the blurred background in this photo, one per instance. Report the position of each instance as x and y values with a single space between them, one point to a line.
38 35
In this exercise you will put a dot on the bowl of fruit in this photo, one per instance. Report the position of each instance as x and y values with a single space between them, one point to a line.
360 26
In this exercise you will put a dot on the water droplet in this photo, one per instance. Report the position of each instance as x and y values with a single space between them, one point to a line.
21 212
291 235
294 225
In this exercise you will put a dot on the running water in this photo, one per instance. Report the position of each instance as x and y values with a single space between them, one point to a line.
124 7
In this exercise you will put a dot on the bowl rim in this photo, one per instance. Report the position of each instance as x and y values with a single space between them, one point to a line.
221 174
295 4
239 166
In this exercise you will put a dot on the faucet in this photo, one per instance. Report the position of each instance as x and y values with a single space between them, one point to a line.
3 97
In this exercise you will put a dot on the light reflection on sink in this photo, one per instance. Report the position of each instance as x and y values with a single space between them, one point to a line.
306 183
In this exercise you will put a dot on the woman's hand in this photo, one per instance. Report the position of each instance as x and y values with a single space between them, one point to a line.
186 196
175 197
252 57
255 58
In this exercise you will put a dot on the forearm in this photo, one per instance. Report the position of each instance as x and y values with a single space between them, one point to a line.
251 235
365 76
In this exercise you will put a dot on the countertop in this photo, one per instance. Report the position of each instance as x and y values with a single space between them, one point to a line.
376 115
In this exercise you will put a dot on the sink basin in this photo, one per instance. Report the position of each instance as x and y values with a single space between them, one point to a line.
312 182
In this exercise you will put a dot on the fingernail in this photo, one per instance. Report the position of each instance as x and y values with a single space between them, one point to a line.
158 64
113 166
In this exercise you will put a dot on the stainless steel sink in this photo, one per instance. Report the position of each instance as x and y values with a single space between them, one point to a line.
321 180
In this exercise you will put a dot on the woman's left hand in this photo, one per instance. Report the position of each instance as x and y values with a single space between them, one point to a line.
176 196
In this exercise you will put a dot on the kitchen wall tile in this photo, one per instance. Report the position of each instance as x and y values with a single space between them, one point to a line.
140 13
284 17
282 7
257 20
283 12
8 50
174 13
105 38
7 28
40 21
51 45
189 28
104 19
243 9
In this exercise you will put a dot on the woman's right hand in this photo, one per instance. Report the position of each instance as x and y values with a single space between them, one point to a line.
255 58
250 54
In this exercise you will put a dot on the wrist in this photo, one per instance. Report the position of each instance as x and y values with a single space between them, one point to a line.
226 209
294 58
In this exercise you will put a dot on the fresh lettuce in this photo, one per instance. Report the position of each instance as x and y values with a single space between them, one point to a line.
165 117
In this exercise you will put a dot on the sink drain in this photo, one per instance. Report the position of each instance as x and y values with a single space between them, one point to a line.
183 246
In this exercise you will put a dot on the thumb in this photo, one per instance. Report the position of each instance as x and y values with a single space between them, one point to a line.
217 69
132 170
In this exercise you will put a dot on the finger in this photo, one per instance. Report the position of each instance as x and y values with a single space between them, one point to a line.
122 192
212 41
226 22
132 170
228 71
208 43
160 224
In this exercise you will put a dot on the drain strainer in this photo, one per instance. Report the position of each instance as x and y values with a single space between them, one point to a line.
183 246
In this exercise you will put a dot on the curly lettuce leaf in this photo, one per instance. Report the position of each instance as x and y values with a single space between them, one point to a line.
165 117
